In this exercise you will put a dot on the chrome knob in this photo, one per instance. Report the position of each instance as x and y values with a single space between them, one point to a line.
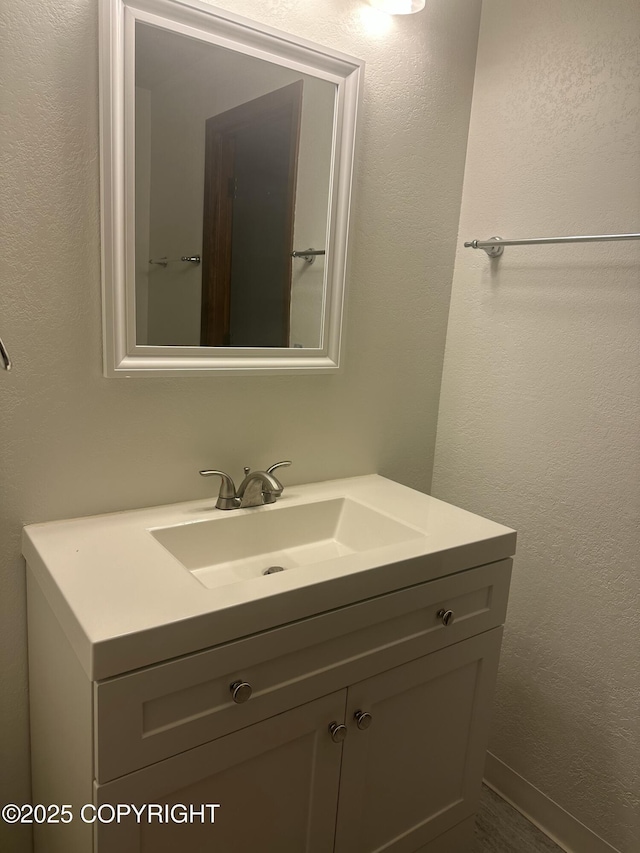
337 731
240 691
446 617
363 720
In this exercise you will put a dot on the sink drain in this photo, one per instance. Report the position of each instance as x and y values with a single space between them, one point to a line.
273 569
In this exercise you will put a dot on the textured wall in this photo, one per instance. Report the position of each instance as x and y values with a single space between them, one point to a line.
540 403
74 443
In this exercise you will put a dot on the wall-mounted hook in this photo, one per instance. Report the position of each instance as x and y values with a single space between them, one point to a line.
4 355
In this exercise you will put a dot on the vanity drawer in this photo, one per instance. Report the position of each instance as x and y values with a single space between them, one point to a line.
163 710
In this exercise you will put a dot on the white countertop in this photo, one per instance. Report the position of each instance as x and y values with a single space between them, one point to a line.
125 602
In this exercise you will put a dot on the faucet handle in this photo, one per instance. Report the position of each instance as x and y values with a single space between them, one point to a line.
227 498
271 496
278 465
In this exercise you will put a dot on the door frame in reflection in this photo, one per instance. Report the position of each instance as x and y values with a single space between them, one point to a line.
220 189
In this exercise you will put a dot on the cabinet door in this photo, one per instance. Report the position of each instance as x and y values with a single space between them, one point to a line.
276 783
417 769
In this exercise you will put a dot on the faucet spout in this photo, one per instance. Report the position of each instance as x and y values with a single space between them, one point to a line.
259 487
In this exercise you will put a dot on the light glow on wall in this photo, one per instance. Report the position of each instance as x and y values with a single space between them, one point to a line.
375 22
398 7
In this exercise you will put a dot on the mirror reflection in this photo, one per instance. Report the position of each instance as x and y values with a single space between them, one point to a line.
232 166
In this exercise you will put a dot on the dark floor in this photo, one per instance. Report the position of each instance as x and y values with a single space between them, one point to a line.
502 829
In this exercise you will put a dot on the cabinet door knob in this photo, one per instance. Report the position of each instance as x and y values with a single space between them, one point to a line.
446 616
363 720
240 691
337 731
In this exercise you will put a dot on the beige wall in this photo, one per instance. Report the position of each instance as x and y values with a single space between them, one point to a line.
311 220
143 191
74 443
539 412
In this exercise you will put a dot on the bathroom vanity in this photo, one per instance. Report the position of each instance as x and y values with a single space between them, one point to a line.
341 704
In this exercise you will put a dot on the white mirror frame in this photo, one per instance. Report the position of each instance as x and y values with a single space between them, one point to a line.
122 358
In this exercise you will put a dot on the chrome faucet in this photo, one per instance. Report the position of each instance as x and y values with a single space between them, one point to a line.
257 489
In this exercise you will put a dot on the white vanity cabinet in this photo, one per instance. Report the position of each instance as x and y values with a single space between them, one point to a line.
405 778
415 772
276 782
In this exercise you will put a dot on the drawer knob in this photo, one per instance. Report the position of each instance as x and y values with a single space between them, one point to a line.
446 616
240 691
363 720
337 731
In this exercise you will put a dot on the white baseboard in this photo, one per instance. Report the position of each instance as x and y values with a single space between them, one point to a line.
561 827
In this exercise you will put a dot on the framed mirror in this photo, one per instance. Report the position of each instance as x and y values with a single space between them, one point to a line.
227 155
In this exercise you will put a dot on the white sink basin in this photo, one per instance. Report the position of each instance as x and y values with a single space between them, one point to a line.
240 547
138 587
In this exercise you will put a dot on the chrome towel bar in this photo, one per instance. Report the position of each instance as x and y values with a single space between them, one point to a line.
495 246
